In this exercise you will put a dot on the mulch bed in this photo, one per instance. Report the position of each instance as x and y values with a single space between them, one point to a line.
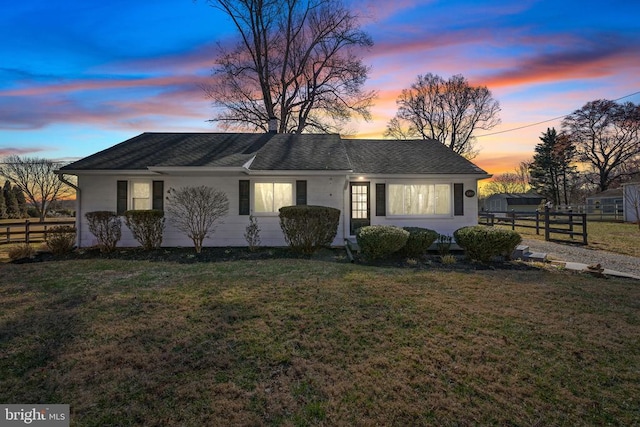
224 254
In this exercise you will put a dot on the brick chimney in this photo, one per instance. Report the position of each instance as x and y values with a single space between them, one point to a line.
273 124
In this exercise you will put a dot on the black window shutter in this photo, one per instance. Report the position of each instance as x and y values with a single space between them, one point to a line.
158 195
458 199
381 200
121 204
301 192
244 207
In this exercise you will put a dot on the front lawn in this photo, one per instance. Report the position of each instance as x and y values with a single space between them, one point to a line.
307 342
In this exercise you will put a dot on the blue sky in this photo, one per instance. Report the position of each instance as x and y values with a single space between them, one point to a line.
79 76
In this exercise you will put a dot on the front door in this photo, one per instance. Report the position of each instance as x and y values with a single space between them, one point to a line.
359 206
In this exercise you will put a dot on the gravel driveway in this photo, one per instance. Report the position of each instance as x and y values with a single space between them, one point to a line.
570 253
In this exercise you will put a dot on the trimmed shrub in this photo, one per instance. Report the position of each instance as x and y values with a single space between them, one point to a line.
378 241
61 239
107 227
481 243
308 228
21 251
146 226
418 242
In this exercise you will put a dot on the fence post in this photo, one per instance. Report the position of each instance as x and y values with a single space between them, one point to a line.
571 223
584 228
26 231
513 219
538 222
546 223
8 234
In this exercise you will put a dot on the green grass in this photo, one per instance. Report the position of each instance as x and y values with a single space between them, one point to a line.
614 237
301 342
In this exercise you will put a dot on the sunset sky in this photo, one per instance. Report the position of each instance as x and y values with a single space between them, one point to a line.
79 76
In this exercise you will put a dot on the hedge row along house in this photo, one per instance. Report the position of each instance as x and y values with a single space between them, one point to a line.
417 183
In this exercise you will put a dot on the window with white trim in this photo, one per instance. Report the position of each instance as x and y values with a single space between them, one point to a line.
419 199
269 197
140 195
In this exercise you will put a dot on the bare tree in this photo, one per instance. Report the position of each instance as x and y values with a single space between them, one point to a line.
449 111
507 183
36 178
196 210
296 61
606 137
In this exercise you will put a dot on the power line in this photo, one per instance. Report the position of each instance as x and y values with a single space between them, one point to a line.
545 121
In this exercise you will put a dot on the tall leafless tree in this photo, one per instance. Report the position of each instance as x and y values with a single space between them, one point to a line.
449 111
36 178
506 183
296 61
606 136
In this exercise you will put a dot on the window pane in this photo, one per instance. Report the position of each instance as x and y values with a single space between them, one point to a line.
429 201
359 202
141 204
283 195
443 199
141 195
419 199
269 196
263 197
395 199
141 190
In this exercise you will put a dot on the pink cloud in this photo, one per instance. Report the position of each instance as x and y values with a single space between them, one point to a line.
10 151
382 10
200 58
497 164
104 84
89 101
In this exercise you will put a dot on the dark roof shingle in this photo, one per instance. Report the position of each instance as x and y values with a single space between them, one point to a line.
278 152
406 157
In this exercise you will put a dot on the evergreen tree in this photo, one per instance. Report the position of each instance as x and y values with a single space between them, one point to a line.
13 210
552 173
21 201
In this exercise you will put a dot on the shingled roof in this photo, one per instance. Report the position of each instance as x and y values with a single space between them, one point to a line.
277 152
375 156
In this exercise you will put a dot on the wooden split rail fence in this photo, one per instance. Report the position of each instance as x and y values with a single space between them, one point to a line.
557 223
28 231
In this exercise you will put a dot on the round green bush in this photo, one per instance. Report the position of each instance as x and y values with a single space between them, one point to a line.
481 243
308 228
419 241
378 241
